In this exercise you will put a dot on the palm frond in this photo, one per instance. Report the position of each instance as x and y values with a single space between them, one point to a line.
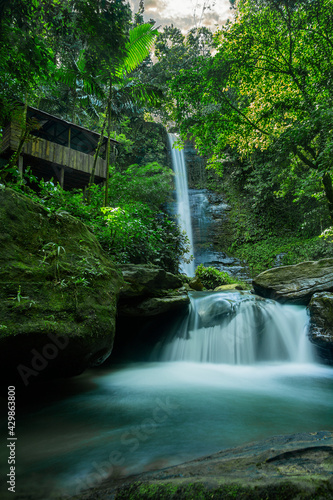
141 40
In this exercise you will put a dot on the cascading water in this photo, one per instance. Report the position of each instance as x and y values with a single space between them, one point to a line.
232 328
183 204
238 328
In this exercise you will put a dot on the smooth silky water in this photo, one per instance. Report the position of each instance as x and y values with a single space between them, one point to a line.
183 209
237 368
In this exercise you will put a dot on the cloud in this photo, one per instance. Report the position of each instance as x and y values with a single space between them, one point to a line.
186 14
155 4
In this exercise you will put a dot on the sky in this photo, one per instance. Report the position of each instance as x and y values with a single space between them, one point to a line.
186 14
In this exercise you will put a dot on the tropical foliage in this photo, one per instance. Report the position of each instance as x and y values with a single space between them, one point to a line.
80 60
134 227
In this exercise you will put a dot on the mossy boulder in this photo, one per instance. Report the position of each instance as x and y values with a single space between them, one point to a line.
321 325
295 284
232 286
195 284
58 293
150 291
142 280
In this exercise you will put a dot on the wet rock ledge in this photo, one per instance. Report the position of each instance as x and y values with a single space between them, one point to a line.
295 284
149 291
311 284
296 466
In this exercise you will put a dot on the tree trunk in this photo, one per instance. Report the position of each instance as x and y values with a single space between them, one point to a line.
108 150
92 175
23 137
328 187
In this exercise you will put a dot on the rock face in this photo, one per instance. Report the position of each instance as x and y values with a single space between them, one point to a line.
321 325
196 166
149 291
149 299
142 280
295 284
58 294
286 467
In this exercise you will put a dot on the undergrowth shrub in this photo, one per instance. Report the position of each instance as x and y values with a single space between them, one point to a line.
211 277
134 228
282 250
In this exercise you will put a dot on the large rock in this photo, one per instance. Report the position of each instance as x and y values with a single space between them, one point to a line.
58 293
145 280
149 299
295 284
153 306
321 325
149 291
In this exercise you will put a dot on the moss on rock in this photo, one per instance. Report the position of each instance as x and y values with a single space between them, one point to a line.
287 467
55 281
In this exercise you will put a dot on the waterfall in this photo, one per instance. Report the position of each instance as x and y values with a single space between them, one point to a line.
183 205
238 328
234 328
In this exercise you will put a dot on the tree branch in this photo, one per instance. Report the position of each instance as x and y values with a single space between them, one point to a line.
304 159
253 125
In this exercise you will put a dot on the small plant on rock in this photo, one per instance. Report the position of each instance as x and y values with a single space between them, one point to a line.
211 277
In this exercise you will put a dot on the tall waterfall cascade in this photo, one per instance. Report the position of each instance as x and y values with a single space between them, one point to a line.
183 204
238 328
234 328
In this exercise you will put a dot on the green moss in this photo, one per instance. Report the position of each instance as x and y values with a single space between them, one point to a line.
211 277
54 278
204 491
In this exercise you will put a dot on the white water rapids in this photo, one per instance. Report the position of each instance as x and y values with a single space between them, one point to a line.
238 328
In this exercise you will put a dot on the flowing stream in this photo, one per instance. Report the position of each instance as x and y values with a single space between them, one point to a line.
234 369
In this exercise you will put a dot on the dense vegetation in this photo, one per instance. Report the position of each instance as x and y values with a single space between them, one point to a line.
256 96
81 61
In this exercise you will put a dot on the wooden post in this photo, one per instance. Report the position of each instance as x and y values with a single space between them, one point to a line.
62 177
20 165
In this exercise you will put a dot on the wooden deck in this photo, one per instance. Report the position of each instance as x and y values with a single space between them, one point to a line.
59 155
58 149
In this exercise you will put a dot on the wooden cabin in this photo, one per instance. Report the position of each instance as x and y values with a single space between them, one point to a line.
59 150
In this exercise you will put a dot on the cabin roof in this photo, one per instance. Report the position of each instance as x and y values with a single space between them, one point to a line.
57 129
35 112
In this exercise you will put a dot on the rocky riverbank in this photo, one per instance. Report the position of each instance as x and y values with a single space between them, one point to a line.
59 294
288 467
